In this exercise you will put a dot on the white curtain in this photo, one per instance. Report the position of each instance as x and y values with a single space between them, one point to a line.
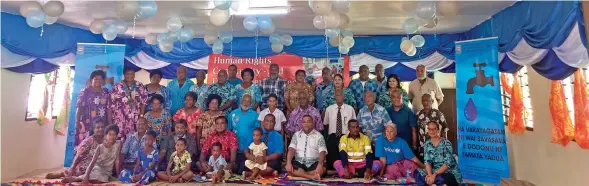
144 61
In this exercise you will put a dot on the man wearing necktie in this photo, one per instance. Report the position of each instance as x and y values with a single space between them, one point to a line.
335 121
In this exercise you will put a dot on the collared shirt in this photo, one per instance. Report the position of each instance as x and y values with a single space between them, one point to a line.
235 81
228 142
227 93
384 97
358 90
132 146
416 90
382 83
177 93
307 146
202 93
393 151
169 144
296 117
254 91
405 121
372 123
320 93
273 140
276 86
278 117
356 148
329 97
180 161
330 118
422 119
243 125
216 163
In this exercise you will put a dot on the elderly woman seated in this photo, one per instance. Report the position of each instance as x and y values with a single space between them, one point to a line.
395 154
440 166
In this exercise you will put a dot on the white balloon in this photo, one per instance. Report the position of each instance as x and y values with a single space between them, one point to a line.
237 6
173 36
331 20
286 40
348 42
407 46
410 25
344 21
343 49
426 9
418 40
321 7
50 20
121 26
210 38
347 33
269 30
166 46
174 24
274 38
219 17
127 10
218 47
53 8
341 5
430 23
29 6
332 32
277 47
335 41
319 22
448 8
96 26
404 38
151 39
412 52
222 4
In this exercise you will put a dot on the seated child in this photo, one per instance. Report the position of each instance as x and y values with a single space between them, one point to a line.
257 153
181 161
217 164
146 163
103 161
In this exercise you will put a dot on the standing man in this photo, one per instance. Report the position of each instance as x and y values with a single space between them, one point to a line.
361 85
423 85
201 89
273 84
178 89
372 117
380 77
404 118
336 121
321 87
225 90
242 122
233 79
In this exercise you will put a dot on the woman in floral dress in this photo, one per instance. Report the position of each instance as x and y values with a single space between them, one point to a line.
248 87
294 89
426 115
128 100
158 119
338 86
440 165
393 84
190 112
92 105
154 88
205 124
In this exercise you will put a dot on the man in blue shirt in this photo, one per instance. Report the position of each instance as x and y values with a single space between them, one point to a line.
395 155
275 144
233 79
404 118
361 85
242 122
321 87
178 89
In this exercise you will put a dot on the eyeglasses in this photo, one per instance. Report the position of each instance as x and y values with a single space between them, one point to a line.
432 129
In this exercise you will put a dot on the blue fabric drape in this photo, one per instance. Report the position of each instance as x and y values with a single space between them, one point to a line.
508 66
38 66
553 68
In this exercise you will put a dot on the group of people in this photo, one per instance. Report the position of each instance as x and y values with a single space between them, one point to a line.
140 133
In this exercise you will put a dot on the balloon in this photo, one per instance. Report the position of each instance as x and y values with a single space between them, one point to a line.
448 8
226 37
341 5
222 4
127 10
344 21
407 46
250 23
426 9
151 39
166 46
277 47
264 22
147 9
185 34
418 40
218 47
121 26
321 7
163 38
268 31
430 23
29 6
274 38
96 26
319 22
348 42
412 52
347 33
343 50
174 24
173 36
210 38
410 26
36 18
332 32
404 38
335 41
109 32
286 40
50 20
332 20
53 8
219 17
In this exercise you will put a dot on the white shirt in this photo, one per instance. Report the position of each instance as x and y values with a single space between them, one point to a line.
416 90
278 115
363 83
307 146
330 118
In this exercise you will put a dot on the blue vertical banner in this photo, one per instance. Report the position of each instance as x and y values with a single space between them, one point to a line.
482 151
91 57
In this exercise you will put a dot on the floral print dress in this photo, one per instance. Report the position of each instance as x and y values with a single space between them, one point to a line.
85 152
423 118
439 155
93 106
165 93
207 122
159 124
329 97
293 90
125 104
190 119
384 97
253 90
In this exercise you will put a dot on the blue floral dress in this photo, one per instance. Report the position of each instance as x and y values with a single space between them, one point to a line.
159 124
384 97
439 155
329 97
254 91
165 93
145 161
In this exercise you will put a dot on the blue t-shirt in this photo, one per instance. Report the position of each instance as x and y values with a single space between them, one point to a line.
235 81
404 119
393 151
274 141
243 125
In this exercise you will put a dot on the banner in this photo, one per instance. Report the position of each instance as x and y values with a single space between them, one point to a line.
288 64
91 57
482 152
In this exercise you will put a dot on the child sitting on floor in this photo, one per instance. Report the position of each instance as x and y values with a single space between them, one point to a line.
217 164
146 163
181 161
257 153
103 161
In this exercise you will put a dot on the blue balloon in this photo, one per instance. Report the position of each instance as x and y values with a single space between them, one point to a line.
185 34
274 38
36 18
162 38
222 4
226 37
250 23
173 36
109 32
264 22
218 47
410 25
347 33
147 9
418 40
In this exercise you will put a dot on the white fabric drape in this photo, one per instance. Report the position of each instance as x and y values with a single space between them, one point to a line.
364 59
434 62
201 64
525 55
66 60
572 51
144 61
10 59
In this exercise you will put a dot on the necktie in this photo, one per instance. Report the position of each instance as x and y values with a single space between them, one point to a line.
338 126
266 138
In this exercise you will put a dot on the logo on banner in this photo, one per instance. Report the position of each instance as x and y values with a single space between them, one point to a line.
458 49
80 49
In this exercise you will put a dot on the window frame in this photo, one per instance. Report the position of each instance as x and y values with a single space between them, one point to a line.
505 99
52 94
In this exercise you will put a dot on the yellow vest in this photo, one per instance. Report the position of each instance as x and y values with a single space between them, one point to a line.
357 149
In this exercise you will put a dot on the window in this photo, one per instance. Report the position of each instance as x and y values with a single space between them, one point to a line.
568 86
55 92
522 76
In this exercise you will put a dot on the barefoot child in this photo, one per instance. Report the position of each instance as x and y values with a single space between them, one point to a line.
217 164
179 166
103 160
257 153
145 165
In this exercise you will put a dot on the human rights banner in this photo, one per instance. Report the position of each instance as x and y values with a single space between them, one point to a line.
482 151
91 57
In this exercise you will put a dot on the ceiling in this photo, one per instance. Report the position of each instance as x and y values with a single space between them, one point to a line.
366 17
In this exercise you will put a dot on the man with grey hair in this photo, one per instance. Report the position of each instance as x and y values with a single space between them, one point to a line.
372 117
423 85
402 115
395 154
